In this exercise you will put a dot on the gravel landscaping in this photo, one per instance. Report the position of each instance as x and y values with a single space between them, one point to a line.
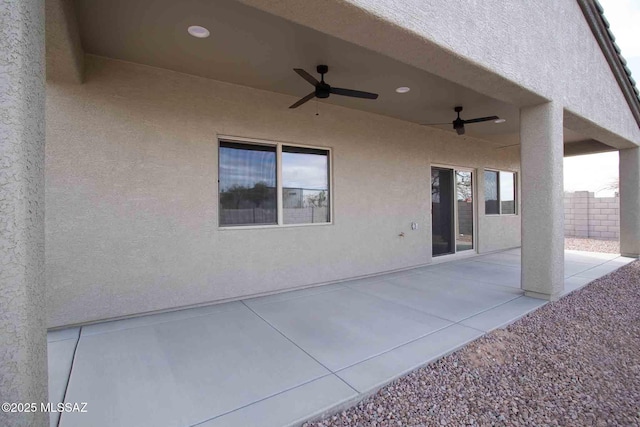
592 245
574 362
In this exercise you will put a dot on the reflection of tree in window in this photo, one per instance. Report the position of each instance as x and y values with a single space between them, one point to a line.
435 188
257 196
247 180
463 180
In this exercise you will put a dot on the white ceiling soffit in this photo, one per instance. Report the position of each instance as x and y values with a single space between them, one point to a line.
252 48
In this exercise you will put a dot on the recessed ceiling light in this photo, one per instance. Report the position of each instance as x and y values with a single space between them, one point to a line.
198 31
403 89
499 120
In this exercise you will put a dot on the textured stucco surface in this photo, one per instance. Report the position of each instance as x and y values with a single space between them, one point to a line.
630 202
131 193
542 200
23 351
519 52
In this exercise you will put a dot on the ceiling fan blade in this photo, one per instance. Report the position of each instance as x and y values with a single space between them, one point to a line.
481 119
434 124
303 100
308 77
354 93
460 130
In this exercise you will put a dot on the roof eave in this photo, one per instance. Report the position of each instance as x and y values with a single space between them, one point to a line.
594 14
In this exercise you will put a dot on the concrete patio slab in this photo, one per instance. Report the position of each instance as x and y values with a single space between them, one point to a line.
280 359
152 319
183 372
63 334
286 296
503 258
452 300
482 272
61 348
603 269
344 327
290 407
572 268
574 283
503 314
377 371
589 257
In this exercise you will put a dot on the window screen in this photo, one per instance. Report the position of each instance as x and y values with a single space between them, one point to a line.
507 192
305 185
247 184
491 206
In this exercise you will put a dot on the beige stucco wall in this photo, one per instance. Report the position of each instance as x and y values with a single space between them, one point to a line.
131 193
23 342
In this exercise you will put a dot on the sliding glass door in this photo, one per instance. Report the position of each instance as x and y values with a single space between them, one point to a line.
464 211
452 210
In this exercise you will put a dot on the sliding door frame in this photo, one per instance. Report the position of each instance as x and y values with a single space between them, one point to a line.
474 192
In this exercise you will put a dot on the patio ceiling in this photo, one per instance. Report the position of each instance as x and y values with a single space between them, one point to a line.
252 48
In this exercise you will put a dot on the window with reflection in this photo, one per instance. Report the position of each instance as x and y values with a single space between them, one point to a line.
253 176
247 184
305 185
491 206
500 192
507 193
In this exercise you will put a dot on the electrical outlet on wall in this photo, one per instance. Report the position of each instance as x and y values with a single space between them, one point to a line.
414 225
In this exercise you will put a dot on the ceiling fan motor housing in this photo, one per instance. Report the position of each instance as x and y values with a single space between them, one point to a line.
323 90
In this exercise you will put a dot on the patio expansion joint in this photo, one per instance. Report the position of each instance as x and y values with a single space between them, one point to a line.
331 372
73 362
339 287
269 397
427 334
591 268
488 309
453 322
403 305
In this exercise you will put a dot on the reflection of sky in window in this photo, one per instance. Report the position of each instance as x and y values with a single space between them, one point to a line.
506 186
246 168
304 171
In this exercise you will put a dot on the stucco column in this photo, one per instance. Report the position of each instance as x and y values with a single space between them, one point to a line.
541 155
23 343
630 202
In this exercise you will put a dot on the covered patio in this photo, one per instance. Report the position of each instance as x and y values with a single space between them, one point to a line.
192 316
281 359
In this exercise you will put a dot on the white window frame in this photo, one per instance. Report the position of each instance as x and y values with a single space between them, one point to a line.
279 200
515 193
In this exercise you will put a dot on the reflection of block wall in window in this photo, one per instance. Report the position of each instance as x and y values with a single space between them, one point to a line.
305 171
491 193
500 192
247 181
248 188
292 198
465 217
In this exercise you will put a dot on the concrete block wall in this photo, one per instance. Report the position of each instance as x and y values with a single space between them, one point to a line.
465 217
591 217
